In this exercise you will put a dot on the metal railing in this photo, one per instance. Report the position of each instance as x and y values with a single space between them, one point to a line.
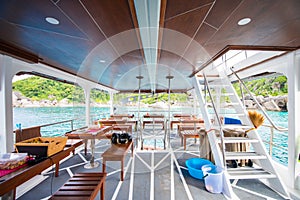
258 104
271 142
272 125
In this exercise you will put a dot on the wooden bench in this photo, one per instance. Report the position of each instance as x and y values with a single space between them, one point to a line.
117 152
82 186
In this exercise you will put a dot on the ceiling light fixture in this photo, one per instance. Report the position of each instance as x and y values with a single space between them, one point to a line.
102 61
52 20
244 21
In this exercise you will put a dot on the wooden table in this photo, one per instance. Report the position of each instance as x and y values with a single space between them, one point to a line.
120 116
91 134
127 128
10 181
185 120
112 122
154 119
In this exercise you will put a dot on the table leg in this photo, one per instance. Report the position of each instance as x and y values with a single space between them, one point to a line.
103 165
103 191
56 169
122 169
92 163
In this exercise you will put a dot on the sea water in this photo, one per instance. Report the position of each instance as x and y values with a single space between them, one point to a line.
29 117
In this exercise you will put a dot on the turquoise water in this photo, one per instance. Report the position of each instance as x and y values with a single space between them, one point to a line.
29 117
280 138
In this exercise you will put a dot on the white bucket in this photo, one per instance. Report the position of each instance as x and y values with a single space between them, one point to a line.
213 178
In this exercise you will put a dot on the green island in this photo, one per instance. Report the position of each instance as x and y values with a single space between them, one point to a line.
38 88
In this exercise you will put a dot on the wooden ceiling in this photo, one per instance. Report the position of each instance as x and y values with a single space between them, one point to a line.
100 40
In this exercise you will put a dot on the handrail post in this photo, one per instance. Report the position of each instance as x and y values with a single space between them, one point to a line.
271 140
72 125
242 93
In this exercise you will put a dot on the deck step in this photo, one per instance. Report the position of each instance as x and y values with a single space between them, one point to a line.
249 173
243 155
232 140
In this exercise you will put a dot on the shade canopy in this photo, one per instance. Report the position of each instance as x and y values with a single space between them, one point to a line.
111 42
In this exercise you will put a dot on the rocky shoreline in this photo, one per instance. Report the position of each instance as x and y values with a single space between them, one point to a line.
278 103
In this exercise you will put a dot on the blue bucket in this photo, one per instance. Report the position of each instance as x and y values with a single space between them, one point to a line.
194 166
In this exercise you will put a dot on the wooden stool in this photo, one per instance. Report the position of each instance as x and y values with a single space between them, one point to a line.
117 152
188 134
82 186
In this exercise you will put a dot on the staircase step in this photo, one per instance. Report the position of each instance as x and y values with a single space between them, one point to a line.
249 173
232 114
230 104
243 155
232 140
232 126
227 94
217 85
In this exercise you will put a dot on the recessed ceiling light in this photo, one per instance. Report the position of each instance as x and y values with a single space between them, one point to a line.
244 21
102 61
52 20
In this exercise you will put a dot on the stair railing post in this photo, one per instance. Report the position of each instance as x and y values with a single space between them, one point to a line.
218 121
242 93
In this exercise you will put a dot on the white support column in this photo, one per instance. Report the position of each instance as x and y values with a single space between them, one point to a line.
6 114
111 102
87 94
293 73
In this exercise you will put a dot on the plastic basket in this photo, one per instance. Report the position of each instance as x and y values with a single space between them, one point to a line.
194 166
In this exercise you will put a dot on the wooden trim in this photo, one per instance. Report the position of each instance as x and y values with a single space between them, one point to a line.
136 25
18 53
163 7
243 47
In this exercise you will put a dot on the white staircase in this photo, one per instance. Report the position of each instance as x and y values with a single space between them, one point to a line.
218 99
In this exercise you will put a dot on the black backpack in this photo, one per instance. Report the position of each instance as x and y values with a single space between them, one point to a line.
120 138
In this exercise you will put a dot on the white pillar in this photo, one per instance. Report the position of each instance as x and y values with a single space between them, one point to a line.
87 94
111 102
293 73
6 113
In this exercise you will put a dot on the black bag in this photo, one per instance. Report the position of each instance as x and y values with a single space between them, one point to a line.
120 138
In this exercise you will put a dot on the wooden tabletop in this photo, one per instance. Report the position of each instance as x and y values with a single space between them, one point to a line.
90 133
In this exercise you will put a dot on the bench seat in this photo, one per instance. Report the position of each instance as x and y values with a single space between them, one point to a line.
117 152
83 186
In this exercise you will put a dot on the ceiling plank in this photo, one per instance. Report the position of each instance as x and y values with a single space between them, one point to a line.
136 26
163 8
